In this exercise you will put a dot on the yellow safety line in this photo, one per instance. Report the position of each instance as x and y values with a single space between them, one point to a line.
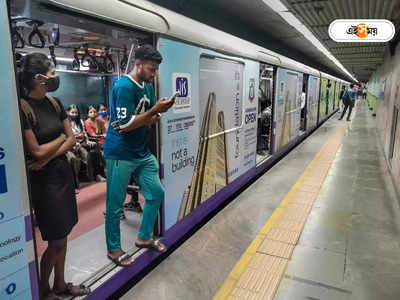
321 160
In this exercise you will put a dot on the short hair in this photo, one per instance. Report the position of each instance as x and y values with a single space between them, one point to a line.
351 85
148 53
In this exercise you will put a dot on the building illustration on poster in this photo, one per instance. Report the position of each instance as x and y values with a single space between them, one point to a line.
288 107
211 169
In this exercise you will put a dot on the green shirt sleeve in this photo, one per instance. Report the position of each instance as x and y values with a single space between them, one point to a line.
125 104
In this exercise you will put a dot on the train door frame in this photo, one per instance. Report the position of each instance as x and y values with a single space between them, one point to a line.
159 228
265 157
303 123
319 119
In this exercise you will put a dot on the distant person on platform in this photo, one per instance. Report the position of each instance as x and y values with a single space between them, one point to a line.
349 97
365 93
133 109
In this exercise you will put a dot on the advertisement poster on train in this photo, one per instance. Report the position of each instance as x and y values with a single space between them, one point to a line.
323 104
337 93
331 100
212 140
14 279
312 101
288 107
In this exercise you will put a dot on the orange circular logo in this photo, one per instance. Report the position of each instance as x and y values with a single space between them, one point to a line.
362 30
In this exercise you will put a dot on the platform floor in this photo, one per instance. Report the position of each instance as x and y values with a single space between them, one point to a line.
348 242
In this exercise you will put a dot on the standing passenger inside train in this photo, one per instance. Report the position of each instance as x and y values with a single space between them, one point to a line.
133 110
48 136
103 114
84 152
95 126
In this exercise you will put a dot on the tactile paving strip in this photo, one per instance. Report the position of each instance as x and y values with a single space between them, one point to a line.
276 248
261 281
258 273
285 236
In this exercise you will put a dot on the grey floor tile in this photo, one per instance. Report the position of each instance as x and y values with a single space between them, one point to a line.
323 266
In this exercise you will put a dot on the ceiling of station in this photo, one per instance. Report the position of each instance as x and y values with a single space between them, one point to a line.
257 22
360 59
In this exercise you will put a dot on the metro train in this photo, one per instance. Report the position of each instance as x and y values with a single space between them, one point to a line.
240 109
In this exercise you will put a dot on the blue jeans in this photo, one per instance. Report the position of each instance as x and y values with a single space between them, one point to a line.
118 175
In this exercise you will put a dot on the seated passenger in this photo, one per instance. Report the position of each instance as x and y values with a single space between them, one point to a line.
103 114
48 136
95 127
85 151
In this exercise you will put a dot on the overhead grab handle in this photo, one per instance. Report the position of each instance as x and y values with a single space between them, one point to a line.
17 38
37 35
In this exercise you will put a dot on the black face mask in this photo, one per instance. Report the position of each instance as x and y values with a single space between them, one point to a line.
52 83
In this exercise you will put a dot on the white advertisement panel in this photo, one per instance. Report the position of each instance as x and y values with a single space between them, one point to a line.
14 273
209 137
287 106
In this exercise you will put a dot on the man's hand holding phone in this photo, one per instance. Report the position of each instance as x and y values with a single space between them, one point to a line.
165 104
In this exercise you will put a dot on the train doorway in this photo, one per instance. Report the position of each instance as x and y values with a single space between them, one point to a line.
90 57
265 112
303 105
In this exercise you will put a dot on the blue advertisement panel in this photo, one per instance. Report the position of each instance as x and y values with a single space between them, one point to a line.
209 136
14 275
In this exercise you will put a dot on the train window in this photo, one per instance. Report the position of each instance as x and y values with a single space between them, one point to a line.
265 113
89 60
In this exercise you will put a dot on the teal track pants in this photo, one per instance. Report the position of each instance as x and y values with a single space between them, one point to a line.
118 174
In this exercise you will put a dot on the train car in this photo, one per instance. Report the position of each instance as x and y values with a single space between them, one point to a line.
240 108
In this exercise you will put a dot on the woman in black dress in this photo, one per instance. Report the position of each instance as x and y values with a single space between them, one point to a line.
48 136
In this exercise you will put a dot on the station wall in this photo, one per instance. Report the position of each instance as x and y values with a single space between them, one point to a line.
384 93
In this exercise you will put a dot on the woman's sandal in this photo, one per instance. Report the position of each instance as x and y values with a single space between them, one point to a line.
155 245
120 259
83 290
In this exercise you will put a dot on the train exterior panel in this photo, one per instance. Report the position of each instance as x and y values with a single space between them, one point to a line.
312 101
17 260
287 106
209 137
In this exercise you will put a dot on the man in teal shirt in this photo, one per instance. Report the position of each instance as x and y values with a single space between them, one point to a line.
133 109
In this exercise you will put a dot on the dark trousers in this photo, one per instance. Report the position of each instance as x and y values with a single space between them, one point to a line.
346 105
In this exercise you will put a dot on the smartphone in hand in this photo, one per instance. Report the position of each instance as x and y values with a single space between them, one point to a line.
173 97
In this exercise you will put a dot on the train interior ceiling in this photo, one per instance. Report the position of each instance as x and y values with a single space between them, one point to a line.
89 57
